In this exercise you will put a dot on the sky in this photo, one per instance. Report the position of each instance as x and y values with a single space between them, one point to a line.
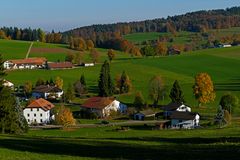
62 15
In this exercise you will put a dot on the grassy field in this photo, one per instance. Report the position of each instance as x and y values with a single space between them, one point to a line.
222 64
13 49
111 143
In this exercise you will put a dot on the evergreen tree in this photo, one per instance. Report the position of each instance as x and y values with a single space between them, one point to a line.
80 86
176 93
105 84
125 84
40 82
82 80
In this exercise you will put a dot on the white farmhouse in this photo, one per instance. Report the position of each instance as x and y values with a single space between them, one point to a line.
103 106
28 63
185 120
39 112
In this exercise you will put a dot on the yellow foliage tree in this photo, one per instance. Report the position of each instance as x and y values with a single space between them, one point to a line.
64 117
59 82
203 88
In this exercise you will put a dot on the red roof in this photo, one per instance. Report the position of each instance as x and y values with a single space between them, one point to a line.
98 102
60 65
36 61
41 103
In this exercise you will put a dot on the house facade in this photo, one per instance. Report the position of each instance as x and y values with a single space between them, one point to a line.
185 120
47 92
103 106
28 63
8 84
39 112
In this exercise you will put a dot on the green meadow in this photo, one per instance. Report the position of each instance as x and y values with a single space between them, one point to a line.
111 143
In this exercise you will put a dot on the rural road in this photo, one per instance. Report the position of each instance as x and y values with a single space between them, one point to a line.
29 50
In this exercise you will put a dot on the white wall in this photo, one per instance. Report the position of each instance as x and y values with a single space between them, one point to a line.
36 115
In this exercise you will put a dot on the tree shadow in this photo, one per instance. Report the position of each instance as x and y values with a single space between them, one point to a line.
175 148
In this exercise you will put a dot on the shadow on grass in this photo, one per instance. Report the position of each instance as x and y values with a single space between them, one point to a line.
234 86
114 148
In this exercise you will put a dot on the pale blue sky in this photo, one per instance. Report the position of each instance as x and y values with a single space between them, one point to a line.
62 15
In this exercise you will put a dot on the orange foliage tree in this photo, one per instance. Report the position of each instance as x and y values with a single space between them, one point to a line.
203 88
64 117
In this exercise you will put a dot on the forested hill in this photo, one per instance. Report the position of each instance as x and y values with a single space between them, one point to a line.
194 22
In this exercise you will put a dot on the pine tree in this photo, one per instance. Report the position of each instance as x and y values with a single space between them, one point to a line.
176 93
138 101
105 84
82 80
125 84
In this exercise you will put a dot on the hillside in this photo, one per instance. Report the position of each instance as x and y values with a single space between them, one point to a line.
199 21
221 63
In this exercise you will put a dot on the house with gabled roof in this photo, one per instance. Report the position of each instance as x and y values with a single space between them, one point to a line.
174 106
39 112
59 65
47 92
28 63
185 120
103 106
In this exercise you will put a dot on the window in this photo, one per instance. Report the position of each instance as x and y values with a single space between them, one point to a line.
41 115
28 120
28 115
35 120
41 120
31 109
34 115
38 109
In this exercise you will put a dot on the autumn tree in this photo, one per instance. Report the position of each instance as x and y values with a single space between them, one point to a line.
64 117
95 55
105 84
176 93
90 44
156 89
28 88
161 49
111 54
70 57
203 88
59 82
138 100
123 83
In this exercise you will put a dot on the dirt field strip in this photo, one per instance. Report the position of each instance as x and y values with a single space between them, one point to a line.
29 50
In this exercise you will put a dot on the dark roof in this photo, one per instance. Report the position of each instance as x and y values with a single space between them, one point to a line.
183 115
98 102
60 65
41 103
171 106
46 89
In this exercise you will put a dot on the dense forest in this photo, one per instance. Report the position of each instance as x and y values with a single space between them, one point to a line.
111 35
199 21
